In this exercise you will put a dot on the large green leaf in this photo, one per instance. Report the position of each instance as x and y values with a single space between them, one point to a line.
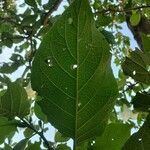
114 137
14 102
137 66
72 72
139 140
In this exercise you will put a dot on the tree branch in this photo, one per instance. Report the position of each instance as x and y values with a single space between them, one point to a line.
122 10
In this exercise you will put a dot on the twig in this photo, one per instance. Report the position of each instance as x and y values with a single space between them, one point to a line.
121 10
39 133
53 8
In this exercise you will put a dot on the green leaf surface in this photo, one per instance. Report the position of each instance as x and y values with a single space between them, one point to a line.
63 147
35 146
72 72
14 102
109 36
139 140
141 102
31 19
135 18
28 132
6 128
39 113
114 137
21 145
60 137
146 42
103 20
137 66
31 3
7 147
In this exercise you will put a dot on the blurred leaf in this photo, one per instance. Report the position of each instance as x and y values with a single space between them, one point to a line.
6 27
83 146
14 102
39 113
135 18
31 19
50 4
109 36
103 20
6 128
31 3
5 79
63 147
140 139
35 146
114 137
9 68
141 102
28 132
7 147
137 66
60 137
146 42
21 145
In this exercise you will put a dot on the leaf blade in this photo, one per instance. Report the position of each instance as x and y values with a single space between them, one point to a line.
74 67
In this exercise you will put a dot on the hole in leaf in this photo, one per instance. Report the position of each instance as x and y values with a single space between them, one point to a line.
48 61
74 66
140 139
134 72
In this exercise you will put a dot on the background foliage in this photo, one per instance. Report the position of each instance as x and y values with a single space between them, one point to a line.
22 27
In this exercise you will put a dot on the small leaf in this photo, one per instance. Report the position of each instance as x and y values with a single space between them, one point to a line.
31 3
146 42
137 66
14 102
6 128
109 36
140 139
28 132
141 102
60 137
103 20
31 19
7 147
135 18
35 146
50 4
63 147
21 145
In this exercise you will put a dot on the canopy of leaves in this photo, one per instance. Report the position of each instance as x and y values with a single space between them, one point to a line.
72 76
